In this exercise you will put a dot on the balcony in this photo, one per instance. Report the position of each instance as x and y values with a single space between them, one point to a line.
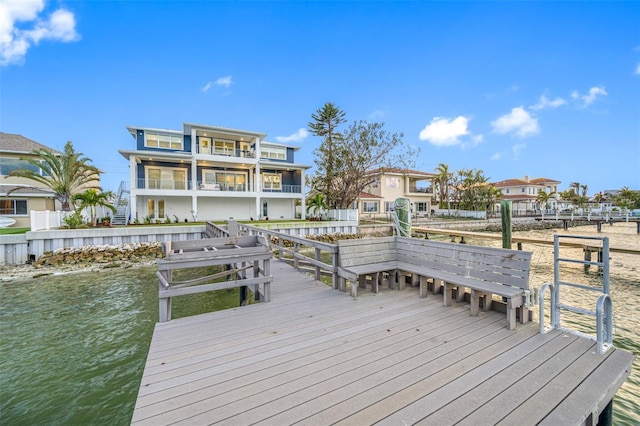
226 152
225 186
286 189
421 190
163 184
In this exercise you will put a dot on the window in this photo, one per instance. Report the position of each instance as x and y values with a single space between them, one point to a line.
225 181
389 206
13 207
165 141
522 190
224 148
7 165
271 182
393 182
506 191
166 178
155 209
274 153
422 206
370 206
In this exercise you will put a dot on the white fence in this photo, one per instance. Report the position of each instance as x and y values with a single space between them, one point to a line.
460 213
45 220
350 215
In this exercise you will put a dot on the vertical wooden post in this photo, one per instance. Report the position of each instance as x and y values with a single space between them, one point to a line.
587 258
296 248
334 278
317 258
505 214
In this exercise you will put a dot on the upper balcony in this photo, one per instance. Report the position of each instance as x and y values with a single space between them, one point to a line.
218 187
226 152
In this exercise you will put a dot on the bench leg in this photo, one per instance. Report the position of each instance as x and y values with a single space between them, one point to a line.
488 300
342 284
415 280
354 289
437 284
524 314
393 279
447 294
511 317
475 302
459 294
376 282
402 280
423 286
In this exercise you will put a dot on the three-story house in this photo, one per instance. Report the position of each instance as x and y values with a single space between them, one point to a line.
212 173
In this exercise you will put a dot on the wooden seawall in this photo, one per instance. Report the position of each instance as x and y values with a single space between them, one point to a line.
316 356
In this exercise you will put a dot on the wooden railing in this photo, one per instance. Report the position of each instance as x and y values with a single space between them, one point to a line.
289 245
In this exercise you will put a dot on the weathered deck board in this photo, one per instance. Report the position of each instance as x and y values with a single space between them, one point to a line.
316 356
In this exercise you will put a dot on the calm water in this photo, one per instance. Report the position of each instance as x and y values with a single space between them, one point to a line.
73 347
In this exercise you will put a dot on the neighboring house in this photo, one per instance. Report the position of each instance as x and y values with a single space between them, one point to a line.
523 193
392 183
211 173
18 196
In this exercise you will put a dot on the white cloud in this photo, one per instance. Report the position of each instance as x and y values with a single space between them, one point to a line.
295 137
445 132
15 39
496 156
224 81
593 93
207 86
517 149
518 121
589 98
543 103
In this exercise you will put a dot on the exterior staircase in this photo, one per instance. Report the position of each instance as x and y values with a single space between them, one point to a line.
121 203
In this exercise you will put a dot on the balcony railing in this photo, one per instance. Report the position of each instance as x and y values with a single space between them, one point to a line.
420 190
228 152
167 184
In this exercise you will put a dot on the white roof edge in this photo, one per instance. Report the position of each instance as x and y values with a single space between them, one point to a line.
154 129
281 144
225 129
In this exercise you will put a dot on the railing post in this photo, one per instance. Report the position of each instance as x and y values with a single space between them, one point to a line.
296 247
334 278
317 257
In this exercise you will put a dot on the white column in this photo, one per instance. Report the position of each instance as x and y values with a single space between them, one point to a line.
133 186
257 184
303 201
194 206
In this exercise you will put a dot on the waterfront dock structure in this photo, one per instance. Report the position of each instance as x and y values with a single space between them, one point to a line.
316 356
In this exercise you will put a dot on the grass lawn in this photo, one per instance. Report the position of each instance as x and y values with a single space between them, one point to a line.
13 231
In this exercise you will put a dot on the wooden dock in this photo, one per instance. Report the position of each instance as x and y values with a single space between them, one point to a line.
316 356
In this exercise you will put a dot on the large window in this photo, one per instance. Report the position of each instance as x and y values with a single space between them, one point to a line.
370 206
224 181
159 140
224 148
166 178
13 207
155 209
271 182
389 206
273 152
7 165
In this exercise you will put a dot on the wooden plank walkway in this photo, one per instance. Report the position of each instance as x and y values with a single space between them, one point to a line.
316 356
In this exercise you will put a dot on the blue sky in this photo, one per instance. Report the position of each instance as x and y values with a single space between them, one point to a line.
544 89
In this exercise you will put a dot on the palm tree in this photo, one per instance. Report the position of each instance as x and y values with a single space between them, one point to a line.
316 204
543 199
443 178
584 190
63 173
575 187
92 198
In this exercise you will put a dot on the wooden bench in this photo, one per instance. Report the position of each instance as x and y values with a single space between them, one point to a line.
362 257
484 270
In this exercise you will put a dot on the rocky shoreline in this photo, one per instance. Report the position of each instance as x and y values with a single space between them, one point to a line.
85 259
